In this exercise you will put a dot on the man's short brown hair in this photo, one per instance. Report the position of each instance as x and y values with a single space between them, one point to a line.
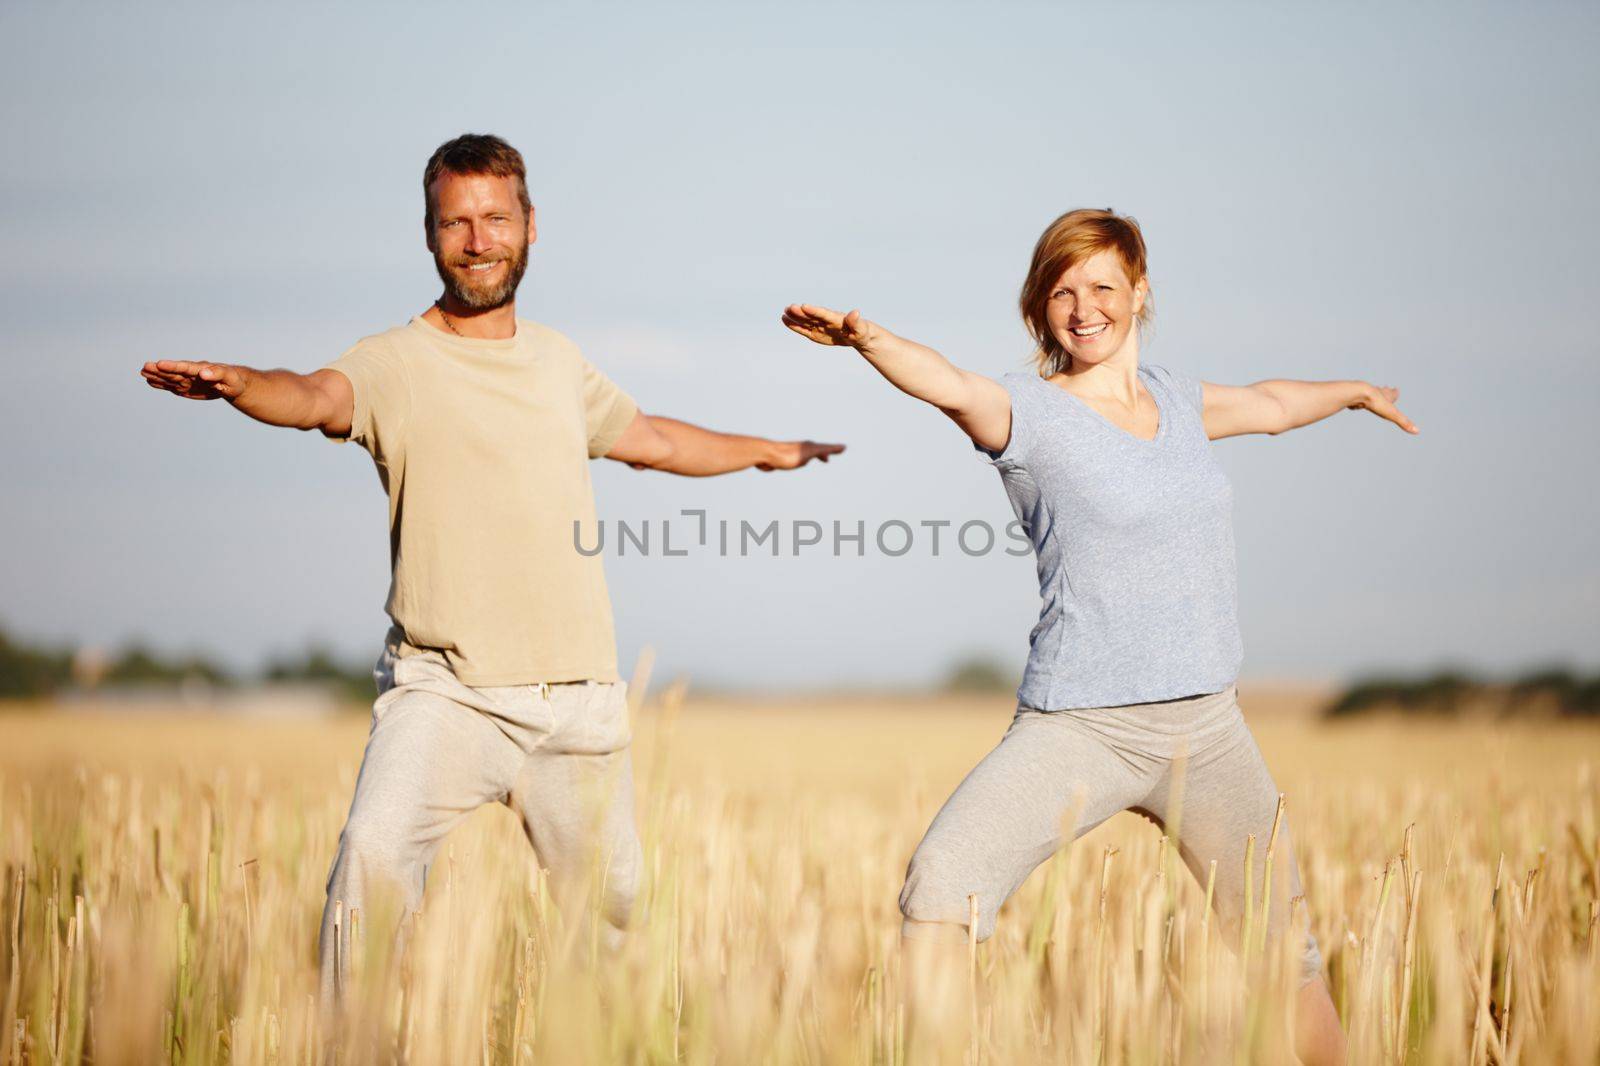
475 153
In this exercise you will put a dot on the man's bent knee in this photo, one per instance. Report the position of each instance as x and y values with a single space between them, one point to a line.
370 852
621 886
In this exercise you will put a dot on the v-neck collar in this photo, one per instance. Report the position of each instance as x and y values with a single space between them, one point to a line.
1155 397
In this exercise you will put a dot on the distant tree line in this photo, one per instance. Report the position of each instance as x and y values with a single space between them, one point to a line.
26 671
1554 691
318 665
31 671
979 674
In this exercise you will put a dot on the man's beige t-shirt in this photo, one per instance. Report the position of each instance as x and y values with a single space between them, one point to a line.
483 447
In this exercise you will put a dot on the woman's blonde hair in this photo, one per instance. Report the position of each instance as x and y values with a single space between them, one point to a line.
1066 242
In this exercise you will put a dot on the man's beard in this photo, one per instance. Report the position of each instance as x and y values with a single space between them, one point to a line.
461 288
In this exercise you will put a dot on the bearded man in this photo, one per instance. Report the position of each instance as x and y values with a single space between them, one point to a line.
498 679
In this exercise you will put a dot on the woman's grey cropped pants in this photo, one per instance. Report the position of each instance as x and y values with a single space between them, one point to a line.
1007 816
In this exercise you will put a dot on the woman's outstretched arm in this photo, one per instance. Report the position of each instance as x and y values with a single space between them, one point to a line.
978 404
1280 405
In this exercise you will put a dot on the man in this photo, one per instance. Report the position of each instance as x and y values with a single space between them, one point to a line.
498 680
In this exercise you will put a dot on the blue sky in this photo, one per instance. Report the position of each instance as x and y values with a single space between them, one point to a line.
1328 191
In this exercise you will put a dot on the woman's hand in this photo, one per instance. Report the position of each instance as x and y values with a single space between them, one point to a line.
1281 404
1380 401
979 405
826 326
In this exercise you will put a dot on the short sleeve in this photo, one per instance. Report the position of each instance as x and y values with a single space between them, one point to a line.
607 410
382 394
1023 410
1185 386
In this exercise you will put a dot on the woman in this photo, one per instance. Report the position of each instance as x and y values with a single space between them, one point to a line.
1135 655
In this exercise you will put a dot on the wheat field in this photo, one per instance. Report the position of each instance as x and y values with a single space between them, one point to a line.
164 881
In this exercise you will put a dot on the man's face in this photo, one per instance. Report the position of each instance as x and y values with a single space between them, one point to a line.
479 238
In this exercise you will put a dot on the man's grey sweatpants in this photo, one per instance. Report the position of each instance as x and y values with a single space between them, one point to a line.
1007 816
439 749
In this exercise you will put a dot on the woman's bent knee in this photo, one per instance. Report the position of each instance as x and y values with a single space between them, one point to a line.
940 892
1310 961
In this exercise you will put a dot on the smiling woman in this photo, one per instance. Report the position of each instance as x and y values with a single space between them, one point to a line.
1086 287
1128 701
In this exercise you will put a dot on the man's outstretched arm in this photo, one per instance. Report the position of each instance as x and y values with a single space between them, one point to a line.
652 442
321 400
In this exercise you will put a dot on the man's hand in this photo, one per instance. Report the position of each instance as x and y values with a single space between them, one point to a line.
322 399
196 381
652 442
790 455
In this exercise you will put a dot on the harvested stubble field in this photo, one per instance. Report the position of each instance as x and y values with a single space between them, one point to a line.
164 878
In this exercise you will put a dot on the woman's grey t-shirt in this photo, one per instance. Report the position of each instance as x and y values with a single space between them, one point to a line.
1134 543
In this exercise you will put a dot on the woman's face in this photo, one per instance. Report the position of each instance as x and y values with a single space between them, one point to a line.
1093 308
